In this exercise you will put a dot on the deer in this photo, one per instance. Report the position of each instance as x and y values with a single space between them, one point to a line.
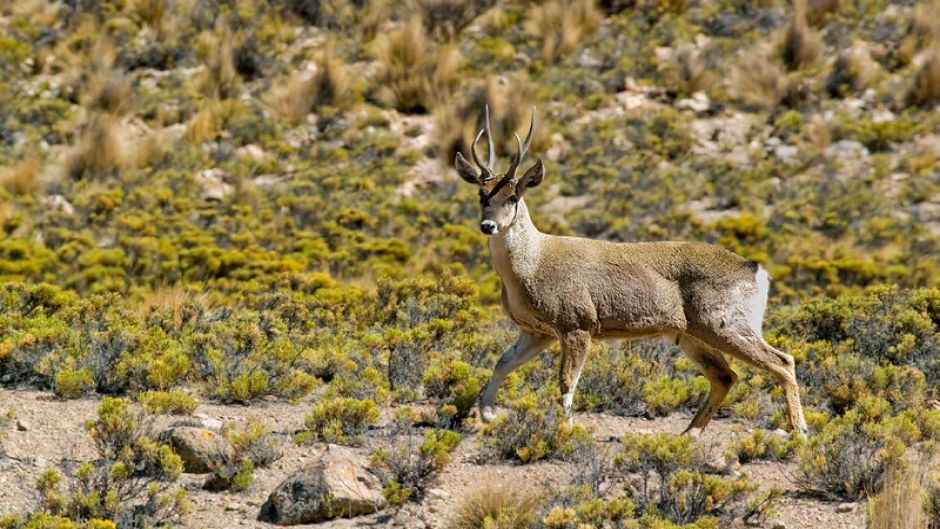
708 300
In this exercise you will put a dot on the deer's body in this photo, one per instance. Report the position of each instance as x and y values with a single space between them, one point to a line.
708 300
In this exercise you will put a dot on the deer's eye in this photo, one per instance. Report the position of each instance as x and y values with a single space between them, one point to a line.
513 199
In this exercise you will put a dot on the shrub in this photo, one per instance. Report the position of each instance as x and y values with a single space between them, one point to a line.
761 444
415 74
130 482
496 509
73 383
532 431
456 384
175 402
673 481
253 446
407 467
253 440
340 420
848 457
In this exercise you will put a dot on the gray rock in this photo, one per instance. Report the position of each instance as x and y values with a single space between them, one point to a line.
22 425
845 507
337 485
201 450
847 150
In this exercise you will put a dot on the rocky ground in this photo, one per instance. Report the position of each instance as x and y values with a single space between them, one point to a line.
48 431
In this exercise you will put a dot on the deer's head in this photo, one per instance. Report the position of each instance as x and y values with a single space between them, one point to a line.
500 193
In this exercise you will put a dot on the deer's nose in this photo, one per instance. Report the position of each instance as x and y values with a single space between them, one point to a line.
488 227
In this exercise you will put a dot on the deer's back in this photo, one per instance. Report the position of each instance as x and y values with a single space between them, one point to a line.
628 289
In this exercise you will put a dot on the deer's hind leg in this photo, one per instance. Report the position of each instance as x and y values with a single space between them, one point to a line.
747 345
719 374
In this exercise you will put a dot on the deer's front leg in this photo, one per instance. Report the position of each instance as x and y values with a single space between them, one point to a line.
527 347
575 346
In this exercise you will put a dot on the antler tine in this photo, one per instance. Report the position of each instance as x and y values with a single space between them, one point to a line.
514 163
489 140
473 151
521 149
528 138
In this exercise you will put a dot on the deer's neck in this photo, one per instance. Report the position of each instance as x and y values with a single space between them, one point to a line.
515 252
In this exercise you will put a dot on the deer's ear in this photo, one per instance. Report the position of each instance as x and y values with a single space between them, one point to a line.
465 170
533 176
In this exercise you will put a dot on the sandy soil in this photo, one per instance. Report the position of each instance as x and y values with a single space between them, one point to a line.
53 433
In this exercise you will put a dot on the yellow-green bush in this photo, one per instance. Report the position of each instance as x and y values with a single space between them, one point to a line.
531 431
340 420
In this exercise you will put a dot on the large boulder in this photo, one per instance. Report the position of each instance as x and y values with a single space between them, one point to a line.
201 450
337 485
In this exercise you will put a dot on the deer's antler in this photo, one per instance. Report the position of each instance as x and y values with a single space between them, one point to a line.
521 149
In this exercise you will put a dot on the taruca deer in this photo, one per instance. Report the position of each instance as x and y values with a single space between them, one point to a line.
708 300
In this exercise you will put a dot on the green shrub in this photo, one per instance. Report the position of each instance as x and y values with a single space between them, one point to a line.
673 481
175 402
532 431
848 457
131 480
340 420
406 467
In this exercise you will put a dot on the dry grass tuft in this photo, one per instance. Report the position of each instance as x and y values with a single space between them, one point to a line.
205 125
331 85
21 179
926 86
496 509
563 25
818 10
686 73
150 13
924 29
98 152
510 108
415 74
758 82
900 504
801 43
444 19
851 73
220 78
109 93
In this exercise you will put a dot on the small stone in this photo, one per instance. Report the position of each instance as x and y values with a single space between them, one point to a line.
779 525
845 507
22 425
233 507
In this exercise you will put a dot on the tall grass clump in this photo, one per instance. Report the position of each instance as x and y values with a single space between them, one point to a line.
562 26
926 86
900 504
498 509
801 44
21 178
330 85
758 82
415 74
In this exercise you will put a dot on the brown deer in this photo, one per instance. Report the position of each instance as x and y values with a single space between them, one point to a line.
706 299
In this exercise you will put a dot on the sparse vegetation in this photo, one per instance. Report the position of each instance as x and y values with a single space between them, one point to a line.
237 203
